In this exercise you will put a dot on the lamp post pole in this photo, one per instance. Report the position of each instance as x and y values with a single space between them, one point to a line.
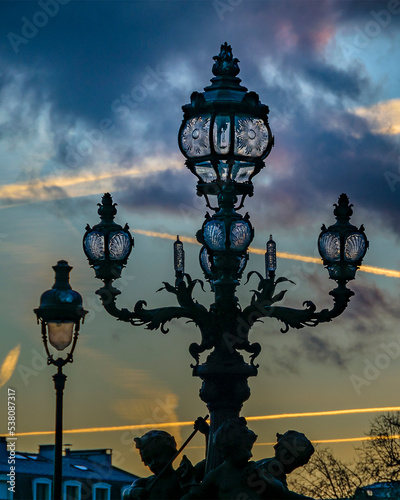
59 384
60 313
225 137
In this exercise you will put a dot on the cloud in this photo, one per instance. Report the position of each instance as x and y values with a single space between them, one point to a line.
72 186
383 117
8 366
136 84
368 318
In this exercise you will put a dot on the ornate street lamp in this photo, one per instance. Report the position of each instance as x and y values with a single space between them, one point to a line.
60 313
225 137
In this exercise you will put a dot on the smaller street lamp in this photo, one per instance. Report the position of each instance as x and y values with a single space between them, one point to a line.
60 313
342 246
107 246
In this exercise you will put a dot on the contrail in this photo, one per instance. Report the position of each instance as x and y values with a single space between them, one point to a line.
325 413
341 440
391 273
190 423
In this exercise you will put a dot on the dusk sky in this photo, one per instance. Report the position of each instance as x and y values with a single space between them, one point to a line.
90 102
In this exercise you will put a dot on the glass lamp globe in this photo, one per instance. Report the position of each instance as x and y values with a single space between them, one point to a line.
60 333
214 235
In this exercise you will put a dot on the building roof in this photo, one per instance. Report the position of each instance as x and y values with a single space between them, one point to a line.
77 464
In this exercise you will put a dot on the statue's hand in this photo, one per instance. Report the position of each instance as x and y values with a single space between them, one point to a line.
202 426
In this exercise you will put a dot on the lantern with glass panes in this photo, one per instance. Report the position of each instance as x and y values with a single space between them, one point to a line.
342 246
60 312
225 134
107 245
225 237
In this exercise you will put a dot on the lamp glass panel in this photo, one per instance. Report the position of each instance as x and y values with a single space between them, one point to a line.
240 235
223 170
329 246
222 134
94 245
354 247
119 245
205 261
214 235
195 137
251 137
60 333
241 171
205 171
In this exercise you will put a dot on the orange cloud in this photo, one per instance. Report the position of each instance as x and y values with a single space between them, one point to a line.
9 364
384 116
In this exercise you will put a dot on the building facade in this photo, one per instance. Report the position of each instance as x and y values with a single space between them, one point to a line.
87 474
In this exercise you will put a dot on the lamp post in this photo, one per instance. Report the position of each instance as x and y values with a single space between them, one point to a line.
60 313
225 137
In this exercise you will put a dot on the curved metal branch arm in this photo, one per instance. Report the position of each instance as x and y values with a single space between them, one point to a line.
341 297
157 318
262 307
108 296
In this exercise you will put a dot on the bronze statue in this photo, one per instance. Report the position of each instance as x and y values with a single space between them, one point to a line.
158 451
238 478
156 448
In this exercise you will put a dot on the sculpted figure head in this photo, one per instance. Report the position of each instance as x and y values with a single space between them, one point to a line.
293 450
156 449
235 440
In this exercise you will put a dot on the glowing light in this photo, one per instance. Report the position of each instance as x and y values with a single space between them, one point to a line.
390 273
9 364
